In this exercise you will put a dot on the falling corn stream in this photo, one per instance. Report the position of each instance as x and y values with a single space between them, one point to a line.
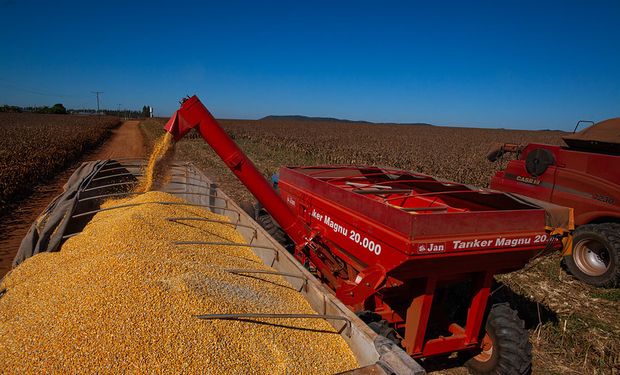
122 297
163 153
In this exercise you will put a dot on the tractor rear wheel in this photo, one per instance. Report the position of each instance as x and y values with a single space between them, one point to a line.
506 348
595 258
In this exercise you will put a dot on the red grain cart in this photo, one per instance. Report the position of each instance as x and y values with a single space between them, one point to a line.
412 255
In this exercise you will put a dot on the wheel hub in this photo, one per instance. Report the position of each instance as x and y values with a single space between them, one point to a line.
487 349
591 257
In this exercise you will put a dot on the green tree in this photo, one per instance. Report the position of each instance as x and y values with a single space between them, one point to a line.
59 109
10 108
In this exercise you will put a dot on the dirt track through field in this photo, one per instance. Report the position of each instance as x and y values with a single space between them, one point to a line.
126 142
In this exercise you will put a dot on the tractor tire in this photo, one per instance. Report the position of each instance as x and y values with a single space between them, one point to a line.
595 258
266 221
506 346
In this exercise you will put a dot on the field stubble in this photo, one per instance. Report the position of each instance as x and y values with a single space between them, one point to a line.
573 327
35 147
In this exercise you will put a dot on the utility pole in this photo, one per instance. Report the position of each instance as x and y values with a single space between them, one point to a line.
97 93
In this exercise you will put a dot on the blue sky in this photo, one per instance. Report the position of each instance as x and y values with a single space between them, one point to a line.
520 64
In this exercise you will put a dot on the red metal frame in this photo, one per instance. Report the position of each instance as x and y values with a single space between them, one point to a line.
418 250
589 182
387 240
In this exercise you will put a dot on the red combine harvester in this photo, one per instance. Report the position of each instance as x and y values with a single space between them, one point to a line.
585 175
412 255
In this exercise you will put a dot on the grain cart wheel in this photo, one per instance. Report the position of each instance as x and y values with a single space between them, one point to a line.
595 258
505 347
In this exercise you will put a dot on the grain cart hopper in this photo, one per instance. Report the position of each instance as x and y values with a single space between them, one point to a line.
413 255
584 175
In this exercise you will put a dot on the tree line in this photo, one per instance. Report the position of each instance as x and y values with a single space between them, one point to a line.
60 109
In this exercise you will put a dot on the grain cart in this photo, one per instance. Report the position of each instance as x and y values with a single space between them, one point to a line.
585 175
413 255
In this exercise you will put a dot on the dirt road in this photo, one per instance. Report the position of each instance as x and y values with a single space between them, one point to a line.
126 142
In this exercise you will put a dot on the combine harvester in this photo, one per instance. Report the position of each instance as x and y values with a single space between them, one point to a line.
412 255
584 175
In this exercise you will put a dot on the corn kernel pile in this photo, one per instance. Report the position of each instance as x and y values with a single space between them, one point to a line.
121 297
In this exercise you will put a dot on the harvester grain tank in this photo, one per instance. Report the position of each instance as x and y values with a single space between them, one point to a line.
584 175
411 254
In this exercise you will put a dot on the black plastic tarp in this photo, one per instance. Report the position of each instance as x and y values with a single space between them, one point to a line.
47 231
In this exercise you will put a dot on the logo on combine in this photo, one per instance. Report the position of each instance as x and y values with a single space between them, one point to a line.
431 248
528 180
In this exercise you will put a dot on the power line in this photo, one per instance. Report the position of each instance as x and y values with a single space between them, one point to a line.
12 86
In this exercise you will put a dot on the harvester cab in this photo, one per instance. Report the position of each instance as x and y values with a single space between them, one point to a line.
413 255
585 175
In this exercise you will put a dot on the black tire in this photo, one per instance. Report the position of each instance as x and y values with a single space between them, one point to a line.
595 258
383 328
510 351
368 316
266 221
